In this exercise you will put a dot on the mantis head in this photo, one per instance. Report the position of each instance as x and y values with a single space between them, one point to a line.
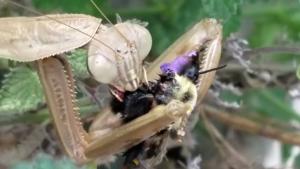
118 62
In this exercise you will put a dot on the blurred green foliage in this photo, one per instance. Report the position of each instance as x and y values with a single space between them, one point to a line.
270 102
21 91
298 72
44 161
274 23
78 63
275 20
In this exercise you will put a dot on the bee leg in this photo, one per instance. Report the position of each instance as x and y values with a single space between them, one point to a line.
117 92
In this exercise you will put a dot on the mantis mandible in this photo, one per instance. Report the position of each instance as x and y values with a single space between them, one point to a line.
118 49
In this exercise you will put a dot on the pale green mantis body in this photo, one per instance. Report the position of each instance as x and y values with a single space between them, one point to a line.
119 49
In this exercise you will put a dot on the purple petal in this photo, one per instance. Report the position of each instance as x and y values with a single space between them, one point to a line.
165 67
178 64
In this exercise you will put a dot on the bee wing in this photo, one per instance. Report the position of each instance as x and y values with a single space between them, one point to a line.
208 32
33 38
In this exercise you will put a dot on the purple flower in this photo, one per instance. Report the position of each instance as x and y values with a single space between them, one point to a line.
178 64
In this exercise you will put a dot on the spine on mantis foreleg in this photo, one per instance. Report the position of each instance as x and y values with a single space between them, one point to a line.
58 84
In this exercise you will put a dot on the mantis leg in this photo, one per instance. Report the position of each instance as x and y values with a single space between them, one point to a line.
56 77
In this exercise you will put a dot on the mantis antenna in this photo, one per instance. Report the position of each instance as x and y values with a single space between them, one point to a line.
106 18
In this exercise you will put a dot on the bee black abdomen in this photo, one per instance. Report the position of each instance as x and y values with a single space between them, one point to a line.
150 149
116 105
137 105
176 154
131 156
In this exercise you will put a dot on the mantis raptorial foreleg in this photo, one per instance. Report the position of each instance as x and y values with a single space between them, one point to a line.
56 77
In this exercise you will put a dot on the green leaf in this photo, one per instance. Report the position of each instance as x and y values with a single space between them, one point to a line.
286 151
297 162
298 72
271 103
44 161
21 91
78 61
229 96
74 6
273 22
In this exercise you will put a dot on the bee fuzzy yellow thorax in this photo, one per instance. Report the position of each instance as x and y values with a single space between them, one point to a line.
185 91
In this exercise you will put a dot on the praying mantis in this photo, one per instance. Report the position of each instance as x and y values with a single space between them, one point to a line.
115 58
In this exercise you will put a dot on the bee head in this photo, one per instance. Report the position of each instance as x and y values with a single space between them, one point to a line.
185 65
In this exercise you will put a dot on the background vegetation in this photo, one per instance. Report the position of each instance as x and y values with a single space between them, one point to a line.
260 84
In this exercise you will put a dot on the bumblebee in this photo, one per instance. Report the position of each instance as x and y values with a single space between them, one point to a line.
178 81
